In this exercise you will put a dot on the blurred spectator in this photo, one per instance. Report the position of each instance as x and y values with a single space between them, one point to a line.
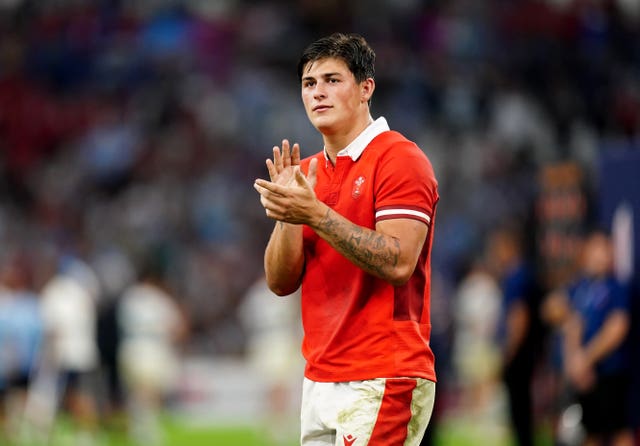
21 336
595 354
554 313
273 352
68 306
115 272
152 326
519 327
476 355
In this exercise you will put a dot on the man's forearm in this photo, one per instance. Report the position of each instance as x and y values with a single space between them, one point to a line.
517 327
572 330
284 258
376 253
610 336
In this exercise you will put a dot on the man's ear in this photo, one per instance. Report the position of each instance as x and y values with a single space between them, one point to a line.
366 89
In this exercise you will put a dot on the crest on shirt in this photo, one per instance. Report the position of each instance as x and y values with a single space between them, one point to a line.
357 186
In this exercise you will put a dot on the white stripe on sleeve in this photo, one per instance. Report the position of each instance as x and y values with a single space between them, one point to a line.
400 212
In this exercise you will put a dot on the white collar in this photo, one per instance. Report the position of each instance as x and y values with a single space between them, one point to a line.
357 146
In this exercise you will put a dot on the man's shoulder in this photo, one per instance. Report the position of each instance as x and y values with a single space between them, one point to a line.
396 141
391 137
393 148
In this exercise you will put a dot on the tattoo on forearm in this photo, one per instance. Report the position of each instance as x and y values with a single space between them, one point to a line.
365 247
328 223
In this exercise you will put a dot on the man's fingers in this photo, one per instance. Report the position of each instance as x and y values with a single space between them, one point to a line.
273 171
263 191
271 210
265 187
295 155
283 157
286 153
268 199
277 158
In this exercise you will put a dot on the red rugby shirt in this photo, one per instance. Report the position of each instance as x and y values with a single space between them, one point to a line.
356 325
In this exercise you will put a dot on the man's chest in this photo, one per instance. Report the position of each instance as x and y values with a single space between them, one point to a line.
348 187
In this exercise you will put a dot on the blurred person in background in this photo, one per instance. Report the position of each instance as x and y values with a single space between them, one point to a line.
273 351
355 230
554 313
21 335
595 356
68 305
476 354
116 272
519 327
152 326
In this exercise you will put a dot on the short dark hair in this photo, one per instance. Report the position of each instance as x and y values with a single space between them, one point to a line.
353 49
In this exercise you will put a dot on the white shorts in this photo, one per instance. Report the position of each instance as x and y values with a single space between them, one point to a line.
376 412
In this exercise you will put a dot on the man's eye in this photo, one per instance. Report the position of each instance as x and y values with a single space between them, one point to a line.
333 81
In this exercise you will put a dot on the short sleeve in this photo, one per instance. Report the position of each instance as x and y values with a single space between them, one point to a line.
517 285
406 186
619 296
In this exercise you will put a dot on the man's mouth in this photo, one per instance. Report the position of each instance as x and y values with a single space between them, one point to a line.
320 108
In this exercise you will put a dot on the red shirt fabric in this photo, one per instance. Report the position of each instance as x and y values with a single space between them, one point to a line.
358 326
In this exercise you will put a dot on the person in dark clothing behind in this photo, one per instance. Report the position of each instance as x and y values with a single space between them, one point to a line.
519 327
595 349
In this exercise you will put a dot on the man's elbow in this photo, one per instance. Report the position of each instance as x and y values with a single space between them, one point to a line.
619 325
400 275
282 289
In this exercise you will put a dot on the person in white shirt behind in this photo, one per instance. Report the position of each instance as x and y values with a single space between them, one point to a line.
274 335
152 326
68 308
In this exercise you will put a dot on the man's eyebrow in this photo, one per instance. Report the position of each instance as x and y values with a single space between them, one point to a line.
323 75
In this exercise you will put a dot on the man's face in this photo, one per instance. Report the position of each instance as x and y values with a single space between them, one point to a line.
597 256
332 99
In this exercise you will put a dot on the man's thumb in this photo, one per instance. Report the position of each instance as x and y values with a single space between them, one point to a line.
300 178
312 173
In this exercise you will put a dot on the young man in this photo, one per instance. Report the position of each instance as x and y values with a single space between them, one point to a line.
595 350
354 227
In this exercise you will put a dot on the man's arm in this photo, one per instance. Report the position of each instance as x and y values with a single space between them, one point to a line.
581 360
572 330
518 322
577 368
284 259
609 337
284 256
389 252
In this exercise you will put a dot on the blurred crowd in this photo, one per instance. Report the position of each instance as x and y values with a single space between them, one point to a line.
131 132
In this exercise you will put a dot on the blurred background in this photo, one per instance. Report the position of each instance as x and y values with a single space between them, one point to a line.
132 307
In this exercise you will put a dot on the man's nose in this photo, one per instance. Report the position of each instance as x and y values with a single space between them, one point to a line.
319 91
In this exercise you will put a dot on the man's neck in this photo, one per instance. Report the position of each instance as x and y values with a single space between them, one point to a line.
334 143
